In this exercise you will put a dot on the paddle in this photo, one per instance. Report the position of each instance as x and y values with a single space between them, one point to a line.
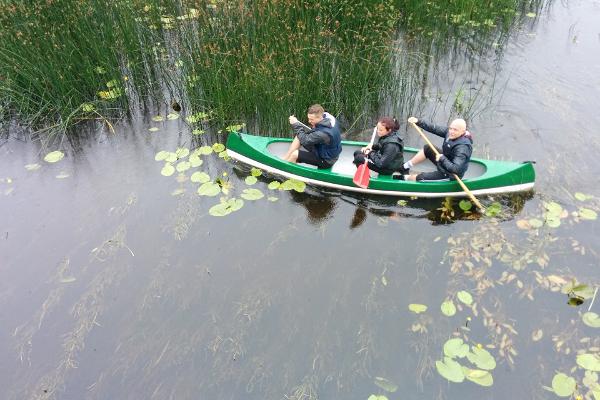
460 182
362 175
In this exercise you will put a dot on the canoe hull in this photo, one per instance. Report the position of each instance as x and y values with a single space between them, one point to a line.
493 176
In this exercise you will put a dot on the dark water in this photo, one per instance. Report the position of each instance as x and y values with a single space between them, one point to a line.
112 288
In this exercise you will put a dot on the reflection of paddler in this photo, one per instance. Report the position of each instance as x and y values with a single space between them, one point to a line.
318 209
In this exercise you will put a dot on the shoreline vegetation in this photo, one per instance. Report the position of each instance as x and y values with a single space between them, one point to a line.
64 63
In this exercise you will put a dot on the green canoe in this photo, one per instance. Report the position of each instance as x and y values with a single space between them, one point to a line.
482 177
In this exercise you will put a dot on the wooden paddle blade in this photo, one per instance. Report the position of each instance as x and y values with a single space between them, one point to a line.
362 176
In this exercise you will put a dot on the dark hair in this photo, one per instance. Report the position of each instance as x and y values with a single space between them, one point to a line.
316 109
391 124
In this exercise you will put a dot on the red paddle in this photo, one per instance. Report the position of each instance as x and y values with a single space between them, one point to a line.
362 175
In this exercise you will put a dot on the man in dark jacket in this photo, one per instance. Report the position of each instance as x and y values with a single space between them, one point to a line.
454 155
321 145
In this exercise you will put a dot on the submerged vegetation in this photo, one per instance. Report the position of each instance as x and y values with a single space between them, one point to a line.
245 61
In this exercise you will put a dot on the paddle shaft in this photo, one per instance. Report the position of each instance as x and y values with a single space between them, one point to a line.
460 182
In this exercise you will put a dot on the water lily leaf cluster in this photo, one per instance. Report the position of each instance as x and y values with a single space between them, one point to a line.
451 369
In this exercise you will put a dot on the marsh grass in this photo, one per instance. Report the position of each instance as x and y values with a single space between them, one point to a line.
256 62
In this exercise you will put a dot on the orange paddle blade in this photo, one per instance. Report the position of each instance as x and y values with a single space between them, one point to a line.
361 177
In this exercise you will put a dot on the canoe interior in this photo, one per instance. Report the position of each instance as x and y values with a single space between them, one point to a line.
345 166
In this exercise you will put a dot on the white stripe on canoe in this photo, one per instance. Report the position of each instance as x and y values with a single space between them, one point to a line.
502 189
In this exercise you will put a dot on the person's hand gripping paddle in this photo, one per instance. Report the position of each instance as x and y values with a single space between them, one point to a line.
362 175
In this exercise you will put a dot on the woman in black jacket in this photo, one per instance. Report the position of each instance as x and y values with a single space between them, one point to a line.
454 155
385 156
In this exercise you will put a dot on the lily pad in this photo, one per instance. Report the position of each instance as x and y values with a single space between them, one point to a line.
255 172
200 177
153 129
483 378
250 180
402 203
161 155
252 194
274 185
168 170
531 14
178 192
32 167
218 147
417 308
158 118
482 358
536 223
182 152
377 397
591 362
455 347
272 198
465 297
583 197
553 208
205 150
493 209
198 132
226 207
209 189
195 161
450 369
183 166
54 156
448 308
465 205
586 213
563 385
385 384
591 319
172 116
171 157
293 184
234 128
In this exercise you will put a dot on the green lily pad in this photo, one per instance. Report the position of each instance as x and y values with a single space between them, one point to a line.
274 185
182 152
209 189
385 384
563 385
255 172
553 208
171 157
252 194
272 198
448 308
218 147
493 209
583 197
465 297
465 205
172 116
200 116
205 150
153 129
480 377
531 14
226 207
377 397
168 169
553 221
54 156
591 319
198 132
293 184
200 177
536 223
32 167
482 358
591 362
402 203
183 166
417 308
450 369
158 118
195 161
234 128
586 213
455 347
250 180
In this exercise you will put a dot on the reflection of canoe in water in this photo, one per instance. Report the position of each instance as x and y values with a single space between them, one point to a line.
482 177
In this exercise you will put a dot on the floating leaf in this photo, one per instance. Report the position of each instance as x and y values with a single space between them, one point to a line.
209 189
198 132
448 308
153 129
417 308
293 184
252 194
218 147
402 203
158 118
226 207
195 161
588 361
183 166
450 369
465 205
482 358
250 180
483 378
563 385
465 297
386 384
205 150
591 319
455 347
168 169
377 397
182 152
271 198
531 14
172 116
68 279
201 116
586 213
171 157
553 221
274 185
54 156
234 128
255 172
32 167
200 177
536 223
178 192
553 208
493 209
582 197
